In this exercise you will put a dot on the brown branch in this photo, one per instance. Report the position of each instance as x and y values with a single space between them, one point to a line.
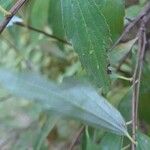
42 32
145 11
12 11
137 77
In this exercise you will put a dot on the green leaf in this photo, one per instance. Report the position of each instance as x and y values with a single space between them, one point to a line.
108 142
89 26
72 100
111 141
120 51
88 32
143 141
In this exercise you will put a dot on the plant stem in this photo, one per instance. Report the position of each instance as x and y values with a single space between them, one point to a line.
42 32
137 79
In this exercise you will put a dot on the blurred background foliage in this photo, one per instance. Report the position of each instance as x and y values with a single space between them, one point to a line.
23 125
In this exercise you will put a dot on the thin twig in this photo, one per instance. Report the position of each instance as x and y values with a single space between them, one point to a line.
77 136
137 78
42 32
12 11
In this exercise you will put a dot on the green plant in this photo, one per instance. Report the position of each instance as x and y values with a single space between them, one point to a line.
108 66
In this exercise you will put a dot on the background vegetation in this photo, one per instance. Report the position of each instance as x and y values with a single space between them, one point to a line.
61 67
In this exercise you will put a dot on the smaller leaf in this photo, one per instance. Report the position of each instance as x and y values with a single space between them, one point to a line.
111 141
143 141
120 51
90 144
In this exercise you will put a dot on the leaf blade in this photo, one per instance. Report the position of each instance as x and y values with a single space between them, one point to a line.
77 101
89 36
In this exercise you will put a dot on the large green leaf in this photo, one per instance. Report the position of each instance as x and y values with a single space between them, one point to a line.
73 100
89 25
88 32
113 11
